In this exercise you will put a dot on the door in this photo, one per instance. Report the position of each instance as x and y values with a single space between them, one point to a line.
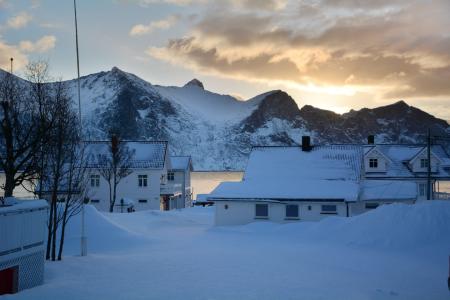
8 281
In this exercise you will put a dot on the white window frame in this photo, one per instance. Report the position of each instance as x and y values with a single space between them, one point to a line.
373 163
95 180
143 180
292 217
170 176
328 212
423 163
261 216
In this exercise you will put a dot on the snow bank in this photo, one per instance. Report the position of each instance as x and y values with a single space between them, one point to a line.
389 227
103 234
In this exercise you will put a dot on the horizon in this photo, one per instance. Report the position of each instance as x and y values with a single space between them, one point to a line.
335 55
300 105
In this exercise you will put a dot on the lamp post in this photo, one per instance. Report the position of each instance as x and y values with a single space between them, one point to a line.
83 225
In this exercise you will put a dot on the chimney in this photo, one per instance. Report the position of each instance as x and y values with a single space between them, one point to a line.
306 143
371 140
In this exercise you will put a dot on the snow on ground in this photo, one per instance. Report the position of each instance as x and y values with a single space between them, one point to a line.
393 252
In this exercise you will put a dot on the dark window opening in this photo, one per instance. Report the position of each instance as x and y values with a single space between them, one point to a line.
261 210
292 211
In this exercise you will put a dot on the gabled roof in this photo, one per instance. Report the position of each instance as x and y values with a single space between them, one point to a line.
147 154
424 149
181 163
374 148
401 155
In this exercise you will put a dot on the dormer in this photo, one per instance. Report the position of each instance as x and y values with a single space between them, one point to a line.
375 161
419 163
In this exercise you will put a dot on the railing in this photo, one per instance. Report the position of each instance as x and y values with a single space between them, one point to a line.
170 188
441 196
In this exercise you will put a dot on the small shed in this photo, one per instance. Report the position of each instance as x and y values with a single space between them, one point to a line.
22 234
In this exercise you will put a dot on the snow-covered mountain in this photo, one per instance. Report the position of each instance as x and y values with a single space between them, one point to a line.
218 131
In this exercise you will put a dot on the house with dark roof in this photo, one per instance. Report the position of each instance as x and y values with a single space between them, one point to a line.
146 187
310 182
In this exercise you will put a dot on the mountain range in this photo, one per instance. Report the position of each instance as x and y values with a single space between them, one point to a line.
218 131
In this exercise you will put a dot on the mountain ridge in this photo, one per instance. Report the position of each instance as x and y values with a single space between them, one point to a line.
218 131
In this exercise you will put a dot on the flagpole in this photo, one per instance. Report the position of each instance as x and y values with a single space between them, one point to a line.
83 233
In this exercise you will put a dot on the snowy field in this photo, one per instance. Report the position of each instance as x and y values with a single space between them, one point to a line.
393 252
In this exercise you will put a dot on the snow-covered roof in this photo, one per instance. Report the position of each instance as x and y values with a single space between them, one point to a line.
291 164
147 154
388 190
401 155
305 190
288 173
180 162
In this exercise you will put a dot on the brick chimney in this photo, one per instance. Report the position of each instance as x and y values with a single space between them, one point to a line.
371 140
306 143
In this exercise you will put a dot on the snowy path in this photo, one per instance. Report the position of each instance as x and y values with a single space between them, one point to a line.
180 255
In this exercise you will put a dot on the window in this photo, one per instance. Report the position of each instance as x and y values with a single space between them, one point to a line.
292 211
170 176
373 163
95 180
142 180
422 189
142 200
423 163
371 205
329 209
95 201
261 210
309 207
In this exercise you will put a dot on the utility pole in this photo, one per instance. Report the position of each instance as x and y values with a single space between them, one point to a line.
12 59
83 221
429 165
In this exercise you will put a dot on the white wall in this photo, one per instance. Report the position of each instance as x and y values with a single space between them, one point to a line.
415 165
382 163
239 213
129 188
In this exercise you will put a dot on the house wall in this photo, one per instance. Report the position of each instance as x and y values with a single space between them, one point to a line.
183 178
129 188
381 162
239 212
415 164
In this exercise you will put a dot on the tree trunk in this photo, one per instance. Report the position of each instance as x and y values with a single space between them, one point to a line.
49 236
111 203
9 184
63 229
55 227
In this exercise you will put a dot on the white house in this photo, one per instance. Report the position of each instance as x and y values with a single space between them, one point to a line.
145 188
180 174
22 233
284 184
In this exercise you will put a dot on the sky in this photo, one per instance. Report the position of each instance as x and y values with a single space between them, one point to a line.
332 54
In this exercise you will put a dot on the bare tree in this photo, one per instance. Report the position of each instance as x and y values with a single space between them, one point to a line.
114 166
26 119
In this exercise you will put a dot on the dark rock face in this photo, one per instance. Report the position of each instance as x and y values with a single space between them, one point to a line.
276 105
195 82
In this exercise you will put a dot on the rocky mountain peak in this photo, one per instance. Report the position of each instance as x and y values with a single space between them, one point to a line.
195 82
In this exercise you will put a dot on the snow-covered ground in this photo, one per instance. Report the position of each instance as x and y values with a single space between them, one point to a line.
393 252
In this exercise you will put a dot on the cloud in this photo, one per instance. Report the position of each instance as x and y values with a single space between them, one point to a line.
166 23
6 52
19 21
42 45
376 47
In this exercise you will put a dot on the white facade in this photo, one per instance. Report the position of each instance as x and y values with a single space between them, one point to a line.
180 175
145 188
